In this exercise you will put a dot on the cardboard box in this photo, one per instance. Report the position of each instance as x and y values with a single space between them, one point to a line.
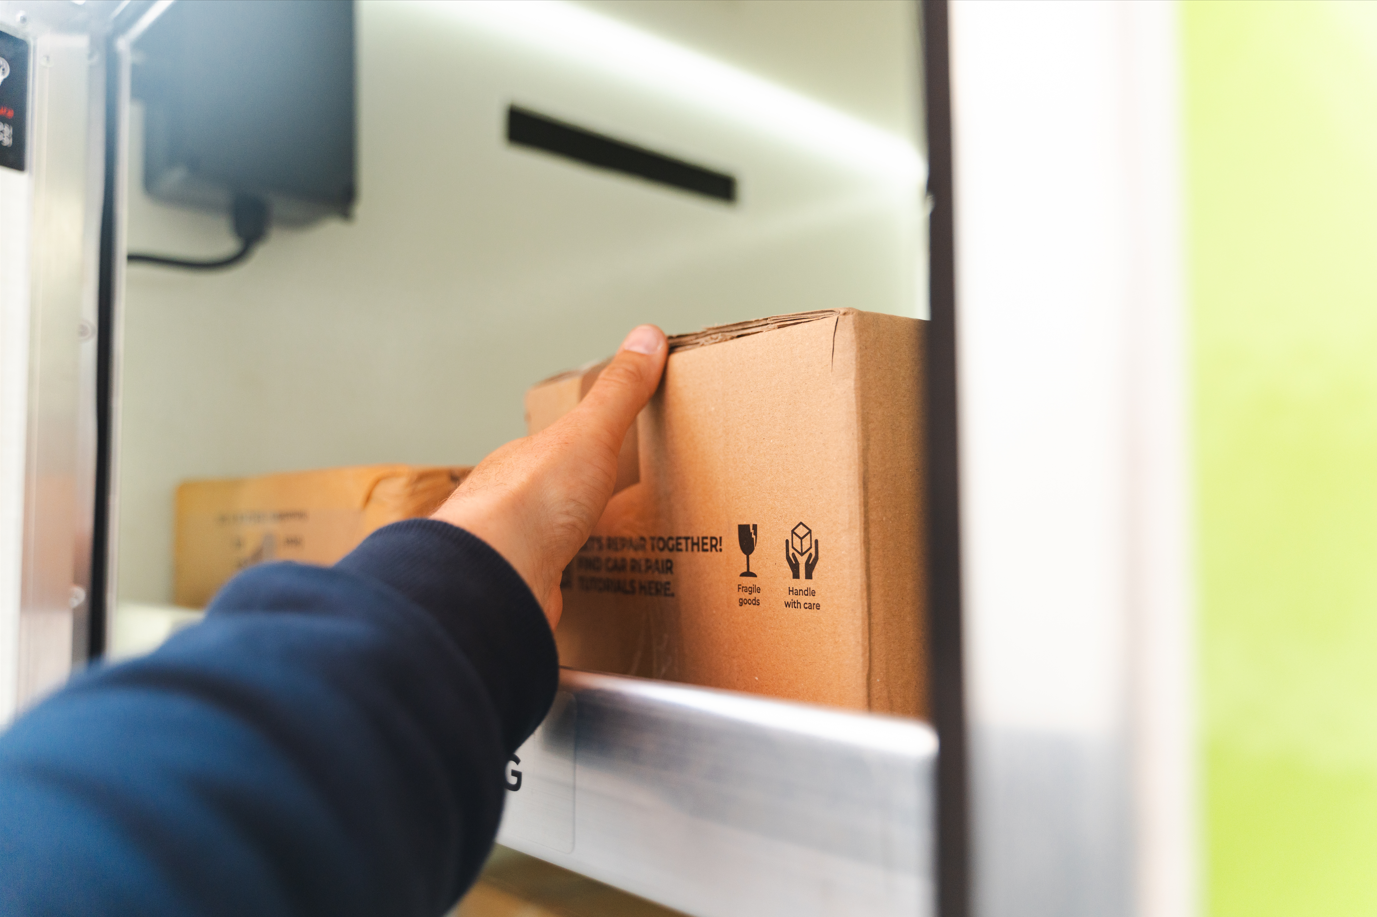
766 440
313 517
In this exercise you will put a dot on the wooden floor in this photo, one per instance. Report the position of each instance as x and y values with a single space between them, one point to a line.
516 885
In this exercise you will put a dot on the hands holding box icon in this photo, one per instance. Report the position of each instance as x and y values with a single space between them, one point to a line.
801 546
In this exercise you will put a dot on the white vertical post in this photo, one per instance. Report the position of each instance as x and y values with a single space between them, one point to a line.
49 234
15 196
1073 438
1161 586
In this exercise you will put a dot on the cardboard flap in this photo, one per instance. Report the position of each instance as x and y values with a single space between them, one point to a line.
716 334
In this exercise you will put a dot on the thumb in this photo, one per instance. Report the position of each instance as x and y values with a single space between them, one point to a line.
535 500
623 388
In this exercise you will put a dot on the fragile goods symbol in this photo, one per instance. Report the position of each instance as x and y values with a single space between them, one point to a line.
747 537
801 546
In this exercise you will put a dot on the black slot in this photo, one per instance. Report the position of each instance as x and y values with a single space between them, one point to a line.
527 128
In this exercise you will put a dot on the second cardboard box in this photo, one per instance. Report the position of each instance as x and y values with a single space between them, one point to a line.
313 517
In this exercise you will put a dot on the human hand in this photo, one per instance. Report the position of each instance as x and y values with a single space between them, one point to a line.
791 558
535 500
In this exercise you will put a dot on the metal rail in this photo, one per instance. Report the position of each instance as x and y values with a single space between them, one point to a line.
720 804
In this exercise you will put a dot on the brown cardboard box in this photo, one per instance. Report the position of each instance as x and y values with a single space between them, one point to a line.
770 439
313 517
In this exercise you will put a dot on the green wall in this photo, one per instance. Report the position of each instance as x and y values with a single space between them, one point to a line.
1281 102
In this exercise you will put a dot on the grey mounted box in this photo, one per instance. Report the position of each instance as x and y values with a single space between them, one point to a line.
251 98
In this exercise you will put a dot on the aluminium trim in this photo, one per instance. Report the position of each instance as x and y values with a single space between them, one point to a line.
722 804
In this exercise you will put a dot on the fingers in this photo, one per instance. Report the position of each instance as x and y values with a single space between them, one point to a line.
624 387
584 445
536 499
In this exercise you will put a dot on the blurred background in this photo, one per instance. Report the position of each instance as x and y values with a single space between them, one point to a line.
1281 230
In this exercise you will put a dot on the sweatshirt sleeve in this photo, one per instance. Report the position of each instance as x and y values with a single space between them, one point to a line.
327 741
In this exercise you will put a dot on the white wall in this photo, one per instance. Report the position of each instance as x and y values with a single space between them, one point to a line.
858 56
473 269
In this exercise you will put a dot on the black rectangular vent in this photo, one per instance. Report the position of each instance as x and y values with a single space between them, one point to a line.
527 128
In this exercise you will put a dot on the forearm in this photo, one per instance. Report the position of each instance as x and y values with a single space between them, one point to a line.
327 741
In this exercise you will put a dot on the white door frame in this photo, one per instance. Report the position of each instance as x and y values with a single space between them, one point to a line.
1071 355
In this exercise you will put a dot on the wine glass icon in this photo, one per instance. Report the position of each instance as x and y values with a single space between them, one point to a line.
745 534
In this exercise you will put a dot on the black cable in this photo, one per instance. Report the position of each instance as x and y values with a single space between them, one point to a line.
250 217
244 250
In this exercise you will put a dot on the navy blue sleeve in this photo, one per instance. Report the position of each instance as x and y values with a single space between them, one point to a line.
326 741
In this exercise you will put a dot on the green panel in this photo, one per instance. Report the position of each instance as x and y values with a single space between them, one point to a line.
1281 103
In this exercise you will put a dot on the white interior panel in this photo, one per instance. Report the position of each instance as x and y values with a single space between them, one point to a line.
16 197
473 269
